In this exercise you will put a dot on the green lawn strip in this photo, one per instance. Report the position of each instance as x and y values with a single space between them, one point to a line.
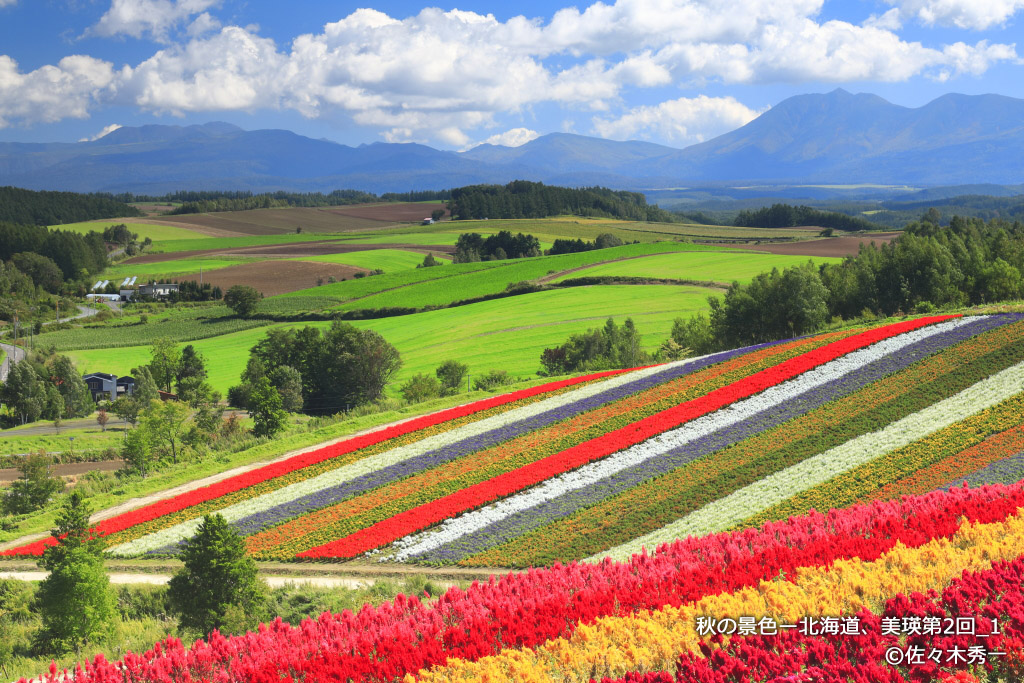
86 439
171 476
507 457
295 476
507 334
155 232
719 266
168 269
850 487
496 280
173 246
657 502
387 260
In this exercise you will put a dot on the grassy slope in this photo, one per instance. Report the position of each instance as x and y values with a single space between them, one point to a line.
720 266
86 438
170 268
173 246
157 233
387 260
504 333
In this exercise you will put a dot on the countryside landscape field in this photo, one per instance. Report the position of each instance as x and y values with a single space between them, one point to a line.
630 342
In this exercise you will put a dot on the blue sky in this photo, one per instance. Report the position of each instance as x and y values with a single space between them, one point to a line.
670 71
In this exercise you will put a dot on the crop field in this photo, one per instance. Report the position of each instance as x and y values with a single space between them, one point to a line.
505 334
611 463
279 221
115 336
387 260
157 233
166 269
353 289
496 279
228 243
715 266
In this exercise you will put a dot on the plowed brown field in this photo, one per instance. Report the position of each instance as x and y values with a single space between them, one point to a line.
829 246
394 213
275 276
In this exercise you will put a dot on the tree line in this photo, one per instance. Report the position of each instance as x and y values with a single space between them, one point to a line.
525 199
76 255
786 216
55 208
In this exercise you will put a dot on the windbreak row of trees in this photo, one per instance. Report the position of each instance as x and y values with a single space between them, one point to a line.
786 216
76 255
472 247
928 266
55 208
525 199
196 201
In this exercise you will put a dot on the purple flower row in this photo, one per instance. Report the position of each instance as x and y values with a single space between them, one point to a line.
386 475
527 520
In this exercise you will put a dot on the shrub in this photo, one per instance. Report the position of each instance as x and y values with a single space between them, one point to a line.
420 387
492 380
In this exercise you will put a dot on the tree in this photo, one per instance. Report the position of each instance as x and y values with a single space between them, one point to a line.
242 299
34 488
217 575
127 408
190 375
136 451
437 214
43 271
145 387
24 393
166 422
265 409
429 261
420 387
75 601
102 418
451 373
288 382
163 365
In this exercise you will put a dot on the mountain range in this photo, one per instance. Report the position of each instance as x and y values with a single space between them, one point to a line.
837 138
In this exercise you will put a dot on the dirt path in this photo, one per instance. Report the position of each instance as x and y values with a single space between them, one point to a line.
71 469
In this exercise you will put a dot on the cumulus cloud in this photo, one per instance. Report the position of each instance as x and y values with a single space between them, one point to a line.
51 93
516 137
685 120
968 14
7 3
157 17
107 130
441 75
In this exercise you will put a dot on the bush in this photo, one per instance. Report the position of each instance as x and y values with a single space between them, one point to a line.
451 373
492 380
420 387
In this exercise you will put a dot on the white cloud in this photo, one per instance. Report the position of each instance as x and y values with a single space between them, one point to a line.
7 3
968 14
685 120
516 137
442 75
157 17
107 130
51 93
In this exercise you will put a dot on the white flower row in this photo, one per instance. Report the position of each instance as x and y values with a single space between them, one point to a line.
776 488
453 529
286 494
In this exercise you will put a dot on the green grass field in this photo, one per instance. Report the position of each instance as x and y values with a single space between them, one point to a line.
174 246
505 333
12 441
157 233
388 260
495 280
166 269
351 289
118 334
716 266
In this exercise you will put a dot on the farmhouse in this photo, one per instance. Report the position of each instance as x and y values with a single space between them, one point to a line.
157 291
428 221
104 386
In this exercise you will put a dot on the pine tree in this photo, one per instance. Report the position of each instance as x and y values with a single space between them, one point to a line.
218 579
75 601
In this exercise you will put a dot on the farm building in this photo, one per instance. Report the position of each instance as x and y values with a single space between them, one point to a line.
428 221
104 386
157 291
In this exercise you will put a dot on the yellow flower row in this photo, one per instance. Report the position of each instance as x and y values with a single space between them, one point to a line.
652 641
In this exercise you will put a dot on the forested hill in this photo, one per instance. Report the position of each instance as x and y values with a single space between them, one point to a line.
786 216
524 199
29 207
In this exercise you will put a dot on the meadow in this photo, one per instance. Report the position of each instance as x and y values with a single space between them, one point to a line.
715 266
168 269
505 334
157 233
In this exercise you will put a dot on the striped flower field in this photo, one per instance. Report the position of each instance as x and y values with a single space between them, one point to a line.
610 463
818 480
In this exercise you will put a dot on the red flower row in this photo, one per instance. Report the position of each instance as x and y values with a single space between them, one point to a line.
503 485
277 469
